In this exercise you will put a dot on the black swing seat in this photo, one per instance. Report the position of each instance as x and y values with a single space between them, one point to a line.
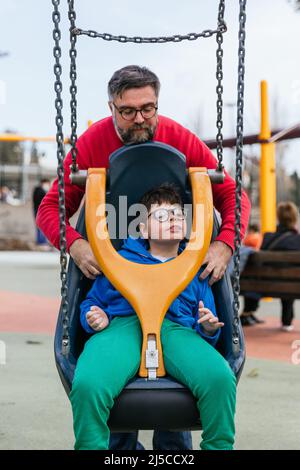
163 403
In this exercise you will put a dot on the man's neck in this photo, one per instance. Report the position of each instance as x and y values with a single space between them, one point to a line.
164 250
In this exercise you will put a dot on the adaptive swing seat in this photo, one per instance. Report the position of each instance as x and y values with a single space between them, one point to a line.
158 403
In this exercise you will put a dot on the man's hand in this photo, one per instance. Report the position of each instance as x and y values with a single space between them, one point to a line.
97 318
209 322
83 256
217 259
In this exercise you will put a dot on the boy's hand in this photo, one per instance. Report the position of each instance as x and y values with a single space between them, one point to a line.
209 322
97 318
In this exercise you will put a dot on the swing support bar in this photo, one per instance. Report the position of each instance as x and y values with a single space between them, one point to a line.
80 177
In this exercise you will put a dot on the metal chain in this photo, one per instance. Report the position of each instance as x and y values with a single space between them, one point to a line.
73 87
60 174
239 169
207 33
221 29
219 88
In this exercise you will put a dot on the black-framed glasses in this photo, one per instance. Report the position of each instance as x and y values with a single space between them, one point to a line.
129 114
163 215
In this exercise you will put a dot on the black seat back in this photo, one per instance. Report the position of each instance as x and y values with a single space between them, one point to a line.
135 169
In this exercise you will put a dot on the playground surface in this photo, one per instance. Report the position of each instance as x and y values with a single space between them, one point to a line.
35 412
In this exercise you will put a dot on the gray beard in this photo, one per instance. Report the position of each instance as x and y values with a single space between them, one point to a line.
129 136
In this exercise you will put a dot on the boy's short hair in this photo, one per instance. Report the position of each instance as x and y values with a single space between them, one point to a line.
166 192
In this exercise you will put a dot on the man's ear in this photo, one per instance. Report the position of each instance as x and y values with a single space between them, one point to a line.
143 230
110 106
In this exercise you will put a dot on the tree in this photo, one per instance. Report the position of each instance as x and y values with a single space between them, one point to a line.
296 4
34 154
296 188
11 153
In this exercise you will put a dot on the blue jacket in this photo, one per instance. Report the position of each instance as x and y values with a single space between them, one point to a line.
183 310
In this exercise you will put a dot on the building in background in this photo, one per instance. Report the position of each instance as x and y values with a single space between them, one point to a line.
20 171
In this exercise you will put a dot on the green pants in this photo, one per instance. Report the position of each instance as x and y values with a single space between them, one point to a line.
112 357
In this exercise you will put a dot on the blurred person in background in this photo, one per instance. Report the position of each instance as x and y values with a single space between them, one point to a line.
251 243
39 192
286 238
253 237
8 196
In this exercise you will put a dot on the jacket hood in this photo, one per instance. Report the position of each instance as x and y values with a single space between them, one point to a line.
140 246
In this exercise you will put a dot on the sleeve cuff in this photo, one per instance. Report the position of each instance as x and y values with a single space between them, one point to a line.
88 329
227 237
212 339
72 236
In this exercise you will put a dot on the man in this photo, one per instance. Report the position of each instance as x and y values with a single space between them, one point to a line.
133 100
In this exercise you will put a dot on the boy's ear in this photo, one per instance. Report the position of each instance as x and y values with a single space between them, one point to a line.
143 230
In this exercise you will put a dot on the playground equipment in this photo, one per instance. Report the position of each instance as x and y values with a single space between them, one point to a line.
154 403
267 139
129 175
267 168
8 137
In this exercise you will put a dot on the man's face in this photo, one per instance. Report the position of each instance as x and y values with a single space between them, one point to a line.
138 129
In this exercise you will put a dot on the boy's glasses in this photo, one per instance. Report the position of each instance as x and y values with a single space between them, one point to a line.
163 215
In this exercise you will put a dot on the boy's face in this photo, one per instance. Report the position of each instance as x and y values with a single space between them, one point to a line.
165 222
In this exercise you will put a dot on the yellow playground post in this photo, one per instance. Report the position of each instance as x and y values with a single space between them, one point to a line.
267 168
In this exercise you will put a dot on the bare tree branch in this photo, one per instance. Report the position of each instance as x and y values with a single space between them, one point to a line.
296 4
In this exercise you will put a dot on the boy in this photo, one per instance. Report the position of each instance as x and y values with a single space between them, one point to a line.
189 332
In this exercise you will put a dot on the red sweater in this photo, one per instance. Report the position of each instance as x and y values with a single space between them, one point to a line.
94 149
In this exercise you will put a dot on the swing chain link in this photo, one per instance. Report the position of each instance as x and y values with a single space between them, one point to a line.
60 173
73 87
221 29
219 88
207 33
239 169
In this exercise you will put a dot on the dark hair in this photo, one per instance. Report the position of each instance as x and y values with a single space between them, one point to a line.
132 76
287 214
166 192
253 228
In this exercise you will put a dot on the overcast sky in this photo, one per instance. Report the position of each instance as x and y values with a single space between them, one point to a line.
186 70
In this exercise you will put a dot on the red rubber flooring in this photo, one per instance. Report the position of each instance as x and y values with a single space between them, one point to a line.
267 341
27 313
